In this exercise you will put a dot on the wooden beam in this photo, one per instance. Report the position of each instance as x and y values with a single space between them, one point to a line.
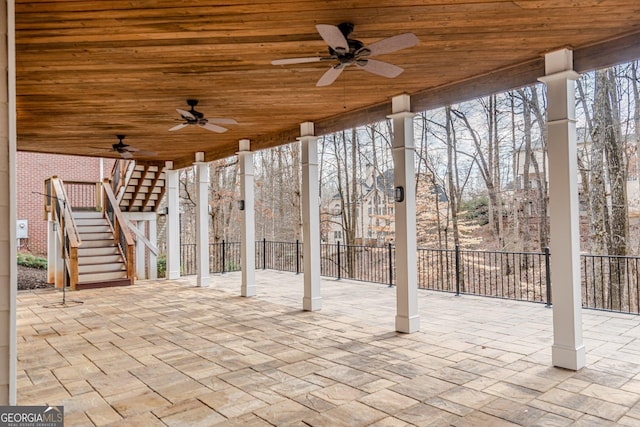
607 54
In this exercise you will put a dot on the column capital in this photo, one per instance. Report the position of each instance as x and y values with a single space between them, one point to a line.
307 132
557 61
401 107
558 65
168 164
307 129
244 146
199 157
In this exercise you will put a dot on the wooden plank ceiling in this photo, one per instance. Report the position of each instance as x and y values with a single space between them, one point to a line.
88 70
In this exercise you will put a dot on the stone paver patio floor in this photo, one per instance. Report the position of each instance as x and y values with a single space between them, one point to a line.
169 353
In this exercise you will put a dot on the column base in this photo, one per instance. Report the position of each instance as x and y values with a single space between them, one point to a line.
202 282
311 304
407 325
172 275
568 357
248 291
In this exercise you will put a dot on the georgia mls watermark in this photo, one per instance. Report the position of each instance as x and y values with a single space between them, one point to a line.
31 416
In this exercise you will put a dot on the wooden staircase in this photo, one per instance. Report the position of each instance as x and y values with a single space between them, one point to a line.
141 188
96 243
100 263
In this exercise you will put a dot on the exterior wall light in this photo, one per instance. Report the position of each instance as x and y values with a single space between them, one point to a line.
399 194
241 205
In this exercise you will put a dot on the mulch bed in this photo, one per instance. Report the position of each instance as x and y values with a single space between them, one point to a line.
32 278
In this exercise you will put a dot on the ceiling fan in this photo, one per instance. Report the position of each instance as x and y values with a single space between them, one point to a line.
350 51
126 151
196 118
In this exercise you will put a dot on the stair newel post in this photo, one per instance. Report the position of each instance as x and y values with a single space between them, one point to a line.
98 194
103 196
73 267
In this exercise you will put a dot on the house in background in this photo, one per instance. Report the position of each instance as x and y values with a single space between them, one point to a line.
584 152
374 211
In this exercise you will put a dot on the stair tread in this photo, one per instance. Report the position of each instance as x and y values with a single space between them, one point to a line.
94 236
100 259
99 250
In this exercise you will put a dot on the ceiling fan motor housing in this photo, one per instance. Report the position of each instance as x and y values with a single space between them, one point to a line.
354 46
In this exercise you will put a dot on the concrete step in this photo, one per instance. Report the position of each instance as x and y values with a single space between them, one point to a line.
97 251
98 277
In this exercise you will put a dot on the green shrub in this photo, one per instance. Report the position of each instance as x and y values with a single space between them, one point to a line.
476 209
162 266
32 261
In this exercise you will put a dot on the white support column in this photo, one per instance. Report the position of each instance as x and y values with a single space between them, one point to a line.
311 218
153 238
568 349
173 222
407 318
8 272
141 272
202 220
248 228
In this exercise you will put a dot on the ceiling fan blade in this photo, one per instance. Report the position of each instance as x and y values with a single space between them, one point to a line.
212 127
186 114
178 127
333 37
388 45
289 61
381 68
330 76
126 155
222 121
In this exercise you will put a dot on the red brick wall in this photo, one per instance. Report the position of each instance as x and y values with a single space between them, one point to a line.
32 170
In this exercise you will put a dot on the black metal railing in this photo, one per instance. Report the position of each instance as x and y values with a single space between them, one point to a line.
281 256
82 195
223 257
356 262
608 282
611 283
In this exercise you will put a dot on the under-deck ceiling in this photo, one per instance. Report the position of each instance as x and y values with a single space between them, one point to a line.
88 70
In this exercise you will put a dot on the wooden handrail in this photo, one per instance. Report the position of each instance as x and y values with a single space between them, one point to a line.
119 225
67 229
119 173
66 219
